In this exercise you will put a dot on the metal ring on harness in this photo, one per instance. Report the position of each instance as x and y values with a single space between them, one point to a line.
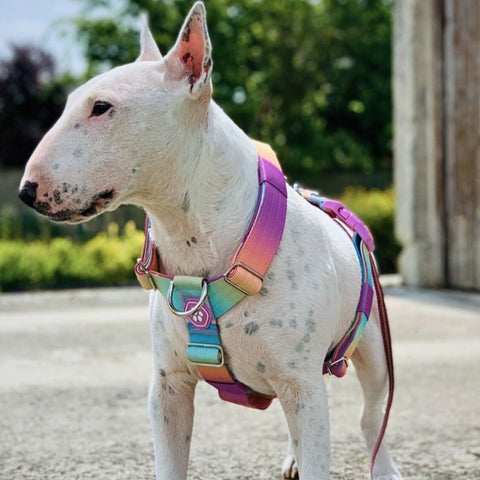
194 309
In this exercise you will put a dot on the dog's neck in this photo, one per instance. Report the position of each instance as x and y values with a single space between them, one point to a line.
213 185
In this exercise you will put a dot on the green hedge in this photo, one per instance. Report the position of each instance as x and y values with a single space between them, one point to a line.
109 257
106 259
377 209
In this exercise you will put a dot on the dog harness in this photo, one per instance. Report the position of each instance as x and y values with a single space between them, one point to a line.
201 302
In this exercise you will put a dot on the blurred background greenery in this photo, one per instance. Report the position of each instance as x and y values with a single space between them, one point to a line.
310 77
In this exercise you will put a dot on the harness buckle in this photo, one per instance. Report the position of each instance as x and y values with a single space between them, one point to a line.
205 355
143 276
243 278
195 308
336 362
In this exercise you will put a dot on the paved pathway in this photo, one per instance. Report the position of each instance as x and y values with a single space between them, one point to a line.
74 372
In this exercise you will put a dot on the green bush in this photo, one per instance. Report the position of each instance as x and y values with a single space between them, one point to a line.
106 259
377 209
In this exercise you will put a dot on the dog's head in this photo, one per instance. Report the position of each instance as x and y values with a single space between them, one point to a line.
100 152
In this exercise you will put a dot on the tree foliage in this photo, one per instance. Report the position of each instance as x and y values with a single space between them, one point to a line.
311 77
30 102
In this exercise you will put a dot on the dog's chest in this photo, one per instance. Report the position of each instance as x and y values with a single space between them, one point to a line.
286 329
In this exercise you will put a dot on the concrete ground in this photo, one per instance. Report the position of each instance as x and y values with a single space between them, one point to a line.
74 373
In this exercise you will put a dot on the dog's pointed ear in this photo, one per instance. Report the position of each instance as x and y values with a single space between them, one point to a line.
149 50
190 60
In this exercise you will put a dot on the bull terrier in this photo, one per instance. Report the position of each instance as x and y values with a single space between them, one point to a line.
149 134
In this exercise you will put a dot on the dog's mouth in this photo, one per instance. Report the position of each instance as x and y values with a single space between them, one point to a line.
97 204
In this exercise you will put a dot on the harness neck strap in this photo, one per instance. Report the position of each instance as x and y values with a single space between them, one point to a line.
201 301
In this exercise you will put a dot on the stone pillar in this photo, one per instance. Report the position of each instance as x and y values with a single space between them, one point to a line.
437 141
418 141
461 79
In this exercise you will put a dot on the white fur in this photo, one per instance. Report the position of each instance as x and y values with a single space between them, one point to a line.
170 149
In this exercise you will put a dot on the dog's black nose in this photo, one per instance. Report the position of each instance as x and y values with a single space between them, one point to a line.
28 193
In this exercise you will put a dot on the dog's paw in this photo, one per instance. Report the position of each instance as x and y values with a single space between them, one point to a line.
289 467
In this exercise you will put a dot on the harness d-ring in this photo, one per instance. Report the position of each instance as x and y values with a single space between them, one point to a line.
194 309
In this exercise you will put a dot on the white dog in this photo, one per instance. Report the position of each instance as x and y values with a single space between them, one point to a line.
149 134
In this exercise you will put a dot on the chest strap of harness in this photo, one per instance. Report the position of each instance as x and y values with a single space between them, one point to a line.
201 301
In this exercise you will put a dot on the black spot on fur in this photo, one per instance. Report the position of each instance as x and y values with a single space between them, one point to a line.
291 278
56 166
186 33
293 323
260 367
171 391
57 197
306 338
276 323
186 202
310 325
162 372
193 240
78 152
263 292
299 407
292 364
188 438
76 126
299 347
188 243
251 328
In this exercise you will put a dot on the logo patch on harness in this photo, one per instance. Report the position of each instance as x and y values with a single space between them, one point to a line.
202 318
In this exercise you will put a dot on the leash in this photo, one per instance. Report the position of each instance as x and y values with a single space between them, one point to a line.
387 344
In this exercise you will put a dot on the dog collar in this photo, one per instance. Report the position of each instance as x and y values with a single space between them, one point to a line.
201 301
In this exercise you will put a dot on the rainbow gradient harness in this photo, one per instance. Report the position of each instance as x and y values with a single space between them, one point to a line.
201 302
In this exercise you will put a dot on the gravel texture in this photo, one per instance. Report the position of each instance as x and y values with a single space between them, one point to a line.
74 373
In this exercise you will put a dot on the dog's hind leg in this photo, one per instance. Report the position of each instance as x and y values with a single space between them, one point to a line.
305 405
171 415
371 368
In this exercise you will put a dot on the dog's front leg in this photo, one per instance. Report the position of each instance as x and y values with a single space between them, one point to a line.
171 416
306 408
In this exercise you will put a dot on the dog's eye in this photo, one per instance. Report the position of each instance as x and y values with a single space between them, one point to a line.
100 107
